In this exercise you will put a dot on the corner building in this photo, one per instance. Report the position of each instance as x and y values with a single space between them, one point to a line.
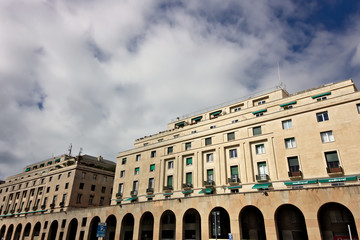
273 166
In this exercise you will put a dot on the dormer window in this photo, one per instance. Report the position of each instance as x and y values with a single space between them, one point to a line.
180 124
215 114
259 113
196 120
321 97
288 105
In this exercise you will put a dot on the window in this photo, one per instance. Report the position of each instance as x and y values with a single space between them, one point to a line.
327 137
78 198
188 146
287 124
94 176
92 187
293 164
231 136
103 189
121 188
50 179
209 157
105 179
189 161
81 186
83 222
170 164
207 141
257 131
151 183
210 175
57 188
54 199
192 132
152 167
290 143
332 159
83 175
135 185
169 181
235 121
170 150
261 102
64 198
237 109
69 174
262 170
91 199
323 116
213 126
123 161
233 153
66 185
189 178
101 201
176 136
138 157
137 171
47 189
59 176
153 154
358 107
260 149
234 173
259 114
122 173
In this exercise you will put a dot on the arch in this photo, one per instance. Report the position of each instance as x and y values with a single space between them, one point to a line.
146 226
53 230
93 228
219 223
36 231
2 231
9 232
168 225
127 227
290 223
27 230
252 224
110 227
17 232
335 220
72 229
192 224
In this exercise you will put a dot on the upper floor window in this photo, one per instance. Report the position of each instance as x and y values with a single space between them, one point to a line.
261 102
290 143
358 107
188 146
287 124
260 149
94 176
138 157
231 136
208 141
152 167
122 173
169 181
153 154
257 131
189 178
209 157
188 161
123 161
196 120
233 153
137 171
323 116
83 175
332 159
321 97
327 136
170 164
215 114
170 150
293 164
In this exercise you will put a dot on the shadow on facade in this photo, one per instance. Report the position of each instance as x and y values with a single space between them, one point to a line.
290 223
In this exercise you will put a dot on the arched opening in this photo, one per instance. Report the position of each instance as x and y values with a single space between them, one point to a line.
290 223
9 232
93 228
167 225
27 230
73 225
2 231
191 225
36 231
252 223
146 226
219 223
17 232
127 227
335 220
110 227
53 230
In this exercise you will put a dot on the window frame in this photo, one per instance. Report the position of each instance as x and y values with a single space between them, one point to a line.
188 163
170 164
208 158
208 141
231 136
322 116
297 169
286 124
233 153
153 154
290 143
187 146
257 130
328 162
327 136
260 149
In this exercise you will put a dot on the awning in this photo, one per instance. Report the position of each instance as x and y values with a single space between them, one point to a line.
320 95
118 200
180 124
31 212
49 162
57 160
150 196
206 190
197 118
287 104
234 187
301 182
187 192
28 169
260 111
168 194
130 199
261 186
216 113
338 179
42 165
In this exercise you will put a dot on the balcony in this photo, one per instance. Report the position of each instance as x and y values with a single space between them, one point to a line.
262 178
19 210
12 210
335 170
233 180
52 205
43 206
118 195
209 183
149 191
187 186
168 188
34 208
27 209
62 204
134 193
295 174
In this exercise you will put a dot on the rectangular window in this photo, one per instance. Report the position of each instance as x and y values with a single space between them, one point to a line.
189 178
81 186
170 181
91 199
327 137
290 143
189 161
121 188
210 175
92 187
103 189
123 161
332 159
94 176
69 174
50 179
66 185
59 176
83 222
231 136
358 107
64 198
209 157
170 164
138 157
54 199
135 185
153 154
208 141
233 153
101 201
323 116
105 179
137 171
83 175
257 131
234 172
170 150
57 188
188 146
262 169
152 167
293 164
260 149
122 173
286 124
151 183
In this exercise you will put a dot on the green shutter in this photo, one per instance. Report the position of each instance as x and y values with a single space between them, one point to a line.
287 104
320 95
188 161
234 170
210 172
170 181
188 178
332 157
152 167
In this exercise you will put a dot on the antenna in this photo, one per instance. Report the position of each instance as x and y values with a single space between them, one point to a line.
80 151
69 149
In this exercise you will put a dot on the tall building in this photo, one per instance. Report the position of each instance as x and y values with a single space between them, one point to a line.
271 166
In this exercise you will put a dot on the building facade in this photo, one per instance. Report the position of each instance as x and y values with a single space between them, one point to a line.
272 166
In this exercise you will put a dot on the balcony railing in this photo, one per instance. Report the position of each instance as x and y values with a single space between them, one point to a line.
43 206
35 208
168 188
52 205
335 170
118 195
134 193
149 190
262 177
295 174
209 183
233 180
62 204
187 185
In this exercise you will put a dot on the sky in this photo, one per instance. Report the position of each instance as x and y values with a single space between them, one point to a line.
100 74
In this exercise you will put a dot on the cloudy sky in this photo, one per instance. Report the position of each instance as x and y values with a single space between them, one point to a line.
99 74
